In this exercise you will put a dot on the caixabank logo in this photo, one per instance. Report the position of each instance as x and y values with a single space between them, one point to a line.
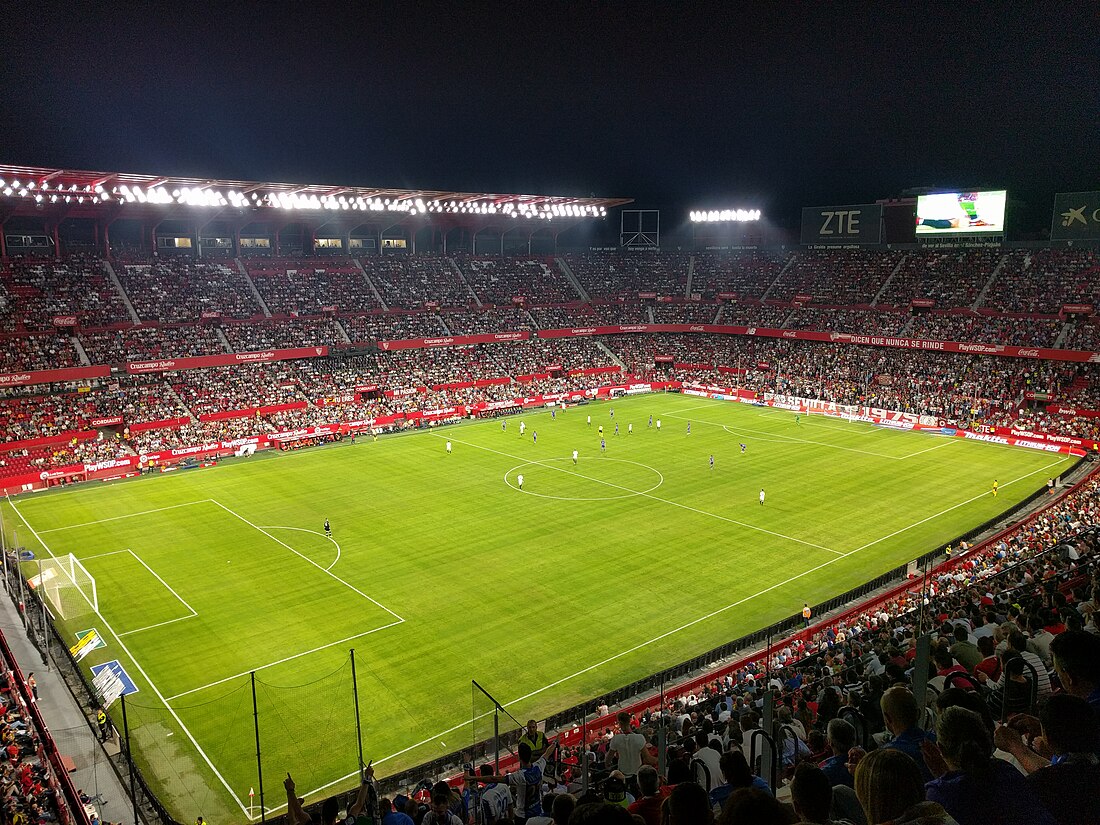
1076 216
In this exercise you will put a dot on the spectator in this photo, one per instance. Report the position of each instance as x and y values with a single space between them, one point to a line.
978 789
392 817
688 804
965 652
1076 655
648 805
1069 786
440 811
749 806
630 750
812 796
736 773
563 807
841 738
900 714
890 787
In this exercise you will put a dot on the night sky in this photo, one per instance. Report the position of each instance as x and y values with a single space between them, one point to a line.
680 104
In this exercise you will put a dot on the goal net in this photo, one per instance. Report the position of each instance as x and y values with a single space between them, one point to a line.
68 585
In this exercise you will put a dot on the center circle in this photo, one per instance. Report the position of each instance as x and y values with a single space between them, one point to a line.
615 490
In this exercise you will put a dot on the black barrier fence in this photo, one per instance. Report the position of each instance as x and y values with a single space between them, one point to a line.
249 707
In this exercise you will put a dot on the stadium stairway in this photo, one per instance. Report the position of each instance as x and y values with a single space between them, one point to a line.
252 286
223 340
462 277
370 283
84 359
569 276
690 276
778 277
70 727
117 284
992 280
1067 327
886 283
610 354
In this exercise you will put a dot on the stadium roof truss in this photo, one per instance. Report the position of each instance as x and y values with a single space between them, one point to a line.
76 193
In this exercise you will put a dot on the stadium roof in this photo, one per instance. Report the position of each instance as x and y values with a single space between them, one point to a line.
40 185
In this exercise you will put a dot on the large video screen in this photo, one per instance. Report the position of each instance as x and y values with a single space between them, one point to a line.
961 213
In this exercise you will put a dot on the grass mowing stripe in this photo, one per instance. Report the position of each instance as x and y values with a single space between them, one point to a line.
145 676
648 495
324 570
128 515
953 507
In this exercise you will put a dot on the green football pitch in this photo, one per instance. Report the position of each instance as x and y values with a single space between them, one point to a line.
441 570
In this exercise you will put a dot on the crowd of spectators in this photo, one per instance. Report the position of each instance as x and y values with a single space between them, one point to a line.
393 326
986 329
1043 280
625 274
309 285
411 281
754 315
684 313
238 387
1010 732
1084 335
498 280
146 343
178 289
475 322
950 277
746 274
47 351
968 389
283 334
38 290
616 313
840 277
861 322
26 792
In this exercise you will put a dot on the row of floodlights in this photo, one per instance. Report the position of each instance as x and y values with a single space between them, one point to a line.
204 196
725 215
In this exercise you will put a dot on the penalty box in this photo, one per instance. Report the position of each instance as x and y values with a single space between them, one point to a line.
239 595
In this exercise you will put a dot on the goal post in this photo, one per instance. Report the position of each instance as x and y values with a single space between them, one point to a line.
68 585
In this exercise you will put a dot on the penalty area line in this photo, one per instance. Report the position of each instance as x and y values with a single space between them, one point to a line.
186 731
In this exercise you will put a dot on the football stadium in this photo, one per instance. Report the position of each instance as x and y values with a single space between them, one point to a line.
334 501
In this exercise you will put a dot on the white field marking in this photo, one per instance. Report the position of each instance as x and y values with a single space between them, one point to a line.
953 507
158 624
307 530
848 428
946 443
581 475
282 661
788 439
144 675
637 647
655 498
779 438
169 588
128 515
101 555
328 573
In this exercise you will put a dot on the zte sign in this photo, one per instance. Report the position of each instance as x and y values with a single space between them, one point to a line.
860 224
